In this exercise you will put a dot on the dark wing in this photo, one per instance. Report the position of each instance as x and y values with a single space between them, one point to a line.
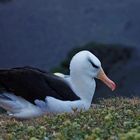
32 83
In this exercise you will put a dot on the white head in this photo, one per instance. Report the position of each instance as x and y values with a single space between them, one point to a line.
84 67
85 63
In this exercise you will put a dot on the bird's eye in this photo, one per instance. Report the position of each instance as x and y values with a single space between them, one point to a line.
92 63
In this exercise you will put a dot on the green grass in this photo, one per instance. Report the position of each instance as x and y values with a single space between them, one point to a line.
112 119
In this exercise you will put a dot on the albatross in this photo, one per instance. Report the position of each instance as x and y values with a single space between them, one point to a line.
27 92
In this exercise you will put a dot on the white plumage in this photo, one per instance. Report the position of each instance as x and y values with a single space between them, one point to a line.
84 67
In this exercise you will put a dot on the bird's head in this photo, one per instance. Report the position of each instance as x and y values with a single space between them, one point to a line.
89 65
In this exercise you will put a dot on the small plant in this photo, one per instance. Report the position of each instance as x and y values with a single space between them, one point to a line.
113 119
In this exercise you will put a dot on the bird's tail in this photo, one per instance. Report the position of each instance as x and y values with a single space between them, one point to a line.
10 102
18 107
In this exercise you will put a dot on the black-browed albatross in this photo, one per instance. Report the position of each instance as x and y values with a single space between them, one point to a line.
27 92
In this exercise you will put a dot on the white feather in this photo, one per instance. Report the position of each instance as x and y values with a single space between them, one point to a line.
19 107
81 81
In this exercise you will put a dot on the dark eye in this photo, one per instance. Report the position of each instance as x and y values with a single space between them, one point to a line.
94 65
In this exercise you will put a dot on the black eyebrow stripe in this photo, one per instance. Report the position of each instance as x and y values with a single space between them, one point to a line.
95 66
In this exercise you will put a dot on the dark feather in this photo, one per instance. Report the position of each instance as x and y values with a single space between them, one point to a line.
32 83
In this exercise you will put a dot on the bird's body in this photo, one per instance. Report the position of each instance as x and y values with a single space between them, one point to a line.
27 92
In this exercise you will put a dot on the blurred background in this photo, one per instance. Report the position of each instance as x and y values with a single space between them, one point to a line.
47 33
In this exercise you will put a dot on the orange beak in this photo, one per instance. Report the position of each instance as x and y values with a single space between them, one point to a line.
103 77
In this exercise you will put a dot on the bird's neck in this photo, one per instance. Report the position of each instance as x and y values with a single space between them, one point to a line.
83 86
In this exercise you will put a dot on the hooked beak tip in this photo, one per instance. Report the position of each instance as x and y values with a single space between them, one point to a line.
102 76
113 86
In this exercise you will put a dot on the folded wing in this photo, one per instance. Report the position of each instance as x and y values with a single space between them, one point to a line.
32 83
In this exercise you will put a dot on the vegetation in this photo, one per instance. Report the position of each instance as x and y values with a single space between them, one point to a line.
114 58
118 55
112 119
